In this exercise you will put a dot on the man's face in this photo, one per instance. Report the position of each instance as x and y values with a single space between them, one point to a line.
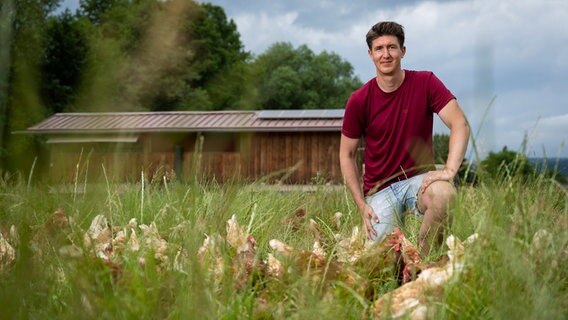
386 54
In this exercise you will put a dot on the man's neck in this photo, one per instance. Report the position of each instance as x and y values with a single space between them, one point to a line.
389 83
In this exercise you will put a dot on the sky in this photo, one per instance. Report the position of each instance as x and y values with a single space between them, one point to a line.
506 61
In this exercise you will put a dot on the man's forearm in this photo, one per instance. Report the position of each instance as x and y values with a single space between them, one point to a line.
351 177
459 137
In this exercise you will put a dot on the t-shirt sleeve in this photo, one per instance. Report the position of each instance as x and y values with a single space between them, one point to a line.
353 119
438 94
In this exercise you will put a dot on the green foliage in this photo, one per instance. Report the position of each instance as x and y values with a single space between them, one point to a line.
137 55
515 268
63 62
216 43
507 163
220 61
283 89
6 31
551 168
21 103
162 56
145 55
289 78
121 55
95 10
232 89
441 144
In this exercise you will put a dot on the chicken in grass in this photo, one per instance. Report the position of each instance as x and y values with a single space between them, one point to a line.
416 299
211 258
7 253
246 265
336 220
236 236
59 220
312 262
154 242
245 262
410 260
375 262
99 237
274 267
53 232
349 249
297 220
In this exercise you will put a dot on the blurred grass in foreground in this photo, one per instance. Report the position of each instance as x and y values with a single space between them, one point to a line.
519 265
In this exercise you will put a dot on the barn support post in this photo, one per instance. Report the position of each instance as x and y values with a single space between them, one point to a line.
178 160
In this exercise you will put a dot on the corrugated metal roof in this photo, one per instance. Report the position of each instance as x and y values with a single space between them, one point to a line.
301 114
93 139
184 121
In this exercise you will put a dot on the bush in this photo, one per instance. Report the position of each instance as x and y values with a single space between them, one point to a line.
507 163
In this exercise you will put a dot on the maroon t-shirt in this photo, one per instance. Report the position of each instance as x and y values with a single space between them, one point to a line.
396 126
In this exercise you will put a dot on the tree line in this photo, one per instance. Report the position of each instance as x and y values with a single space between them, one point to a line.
146 55
154 55
498 165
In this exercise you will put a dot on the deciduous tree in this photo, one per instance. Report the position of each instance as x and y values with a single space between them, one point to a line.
507 162
63 62
289 78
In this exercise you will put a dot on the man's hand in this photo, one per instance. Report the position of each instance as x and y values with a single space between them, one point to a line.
437 175
369 217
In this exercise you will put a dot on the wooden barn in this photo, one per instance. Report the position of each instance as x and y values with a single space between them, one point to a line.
288 146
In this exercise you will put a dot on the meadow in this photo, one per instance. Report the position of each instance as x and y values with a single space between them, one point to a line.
516 269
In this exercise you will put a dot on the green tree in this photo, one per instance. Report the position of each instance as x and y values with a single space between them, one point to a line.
216 43
328 81
63 62
441 143
300 79
96 10
23 23
161 56
507 162
233 89
283 90
220 62
6 32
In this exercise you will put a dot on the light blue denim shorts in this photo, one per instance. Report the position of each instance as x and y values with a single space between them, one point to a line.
392 202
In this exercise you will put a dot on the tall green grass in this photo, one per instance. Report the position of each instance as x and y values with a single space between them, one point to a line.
512 274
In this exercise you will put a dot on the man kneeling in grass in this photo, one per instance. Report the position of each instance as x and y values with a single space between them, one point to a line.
393 112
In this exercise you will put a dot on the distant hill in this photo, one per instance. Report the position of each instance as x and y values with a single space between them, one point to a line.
559 164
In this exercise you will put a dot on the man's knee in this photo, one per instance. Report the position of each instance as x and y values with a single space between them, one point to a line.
440 194
443 191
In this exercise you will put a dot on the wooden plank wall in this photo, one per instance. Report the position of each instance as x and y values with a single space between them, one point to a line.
91 164
295 157
292 157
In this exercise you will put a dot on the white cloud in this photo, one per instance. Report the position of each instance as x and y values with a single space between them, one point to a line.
513 50
260 30
253 27
559 121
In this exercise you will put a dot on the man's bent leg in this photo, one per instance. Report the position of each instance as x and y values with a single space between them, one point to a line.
435 203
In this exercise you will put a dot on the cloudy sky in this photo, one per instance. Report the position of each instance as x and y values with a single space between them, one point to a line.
506 61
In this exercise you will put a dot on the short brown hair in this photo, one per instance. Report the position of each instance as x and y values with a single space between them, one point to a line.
386 28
